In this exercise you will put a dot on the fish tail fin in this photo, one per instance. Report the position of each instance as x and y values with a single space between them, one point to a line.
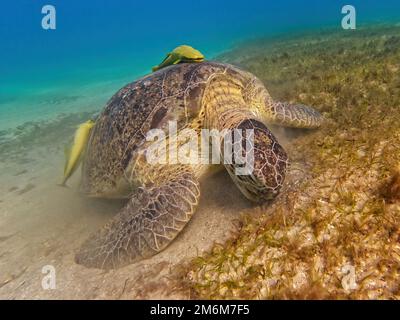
63 184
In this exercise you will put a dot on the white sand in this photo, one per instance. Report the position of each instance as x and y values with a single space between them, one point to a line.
43 224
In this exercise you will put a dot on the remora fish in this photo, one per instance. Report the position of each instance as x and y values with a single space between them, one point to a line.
74 154
180 54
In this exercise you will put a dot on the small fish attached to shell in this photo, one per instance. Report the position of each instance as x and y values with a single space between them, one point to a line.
180 54
74 154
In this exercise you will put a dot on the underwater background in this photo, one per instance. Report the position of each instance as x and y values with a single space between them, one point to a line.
98 46
339 208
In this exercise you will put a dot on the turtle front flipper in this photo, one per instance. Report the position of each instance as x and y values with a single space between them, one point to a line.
294 115
152 218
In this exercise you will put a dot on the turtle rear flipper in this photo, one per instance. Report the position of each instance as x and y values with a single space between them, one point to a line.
152 218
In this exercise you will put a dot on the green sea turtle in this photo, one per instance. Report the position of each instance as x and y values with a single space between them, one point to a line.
163 197
183 53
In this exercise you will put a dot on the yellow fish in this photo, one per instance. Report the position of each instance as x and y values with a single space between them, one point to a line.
180 54
74 154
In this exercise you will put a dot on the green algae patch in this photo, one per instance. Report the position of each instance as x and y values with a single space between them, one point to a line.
334 230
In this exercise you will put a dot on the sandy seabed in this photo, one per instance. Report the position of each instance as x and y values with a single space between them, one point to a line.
43 224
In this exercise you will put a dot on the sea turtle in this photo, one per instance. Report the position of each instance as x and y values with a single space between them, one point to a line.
183 53
163 197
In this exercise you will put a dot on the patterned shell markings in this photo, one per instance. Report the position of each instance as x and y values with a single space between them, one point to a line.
148 103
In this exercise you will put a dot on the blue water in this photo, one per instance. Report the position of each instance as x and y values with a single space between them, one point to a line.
100 45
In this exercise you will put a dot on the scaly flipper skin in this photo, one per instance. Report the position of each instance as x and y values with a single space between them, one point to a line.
294 115
152 218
